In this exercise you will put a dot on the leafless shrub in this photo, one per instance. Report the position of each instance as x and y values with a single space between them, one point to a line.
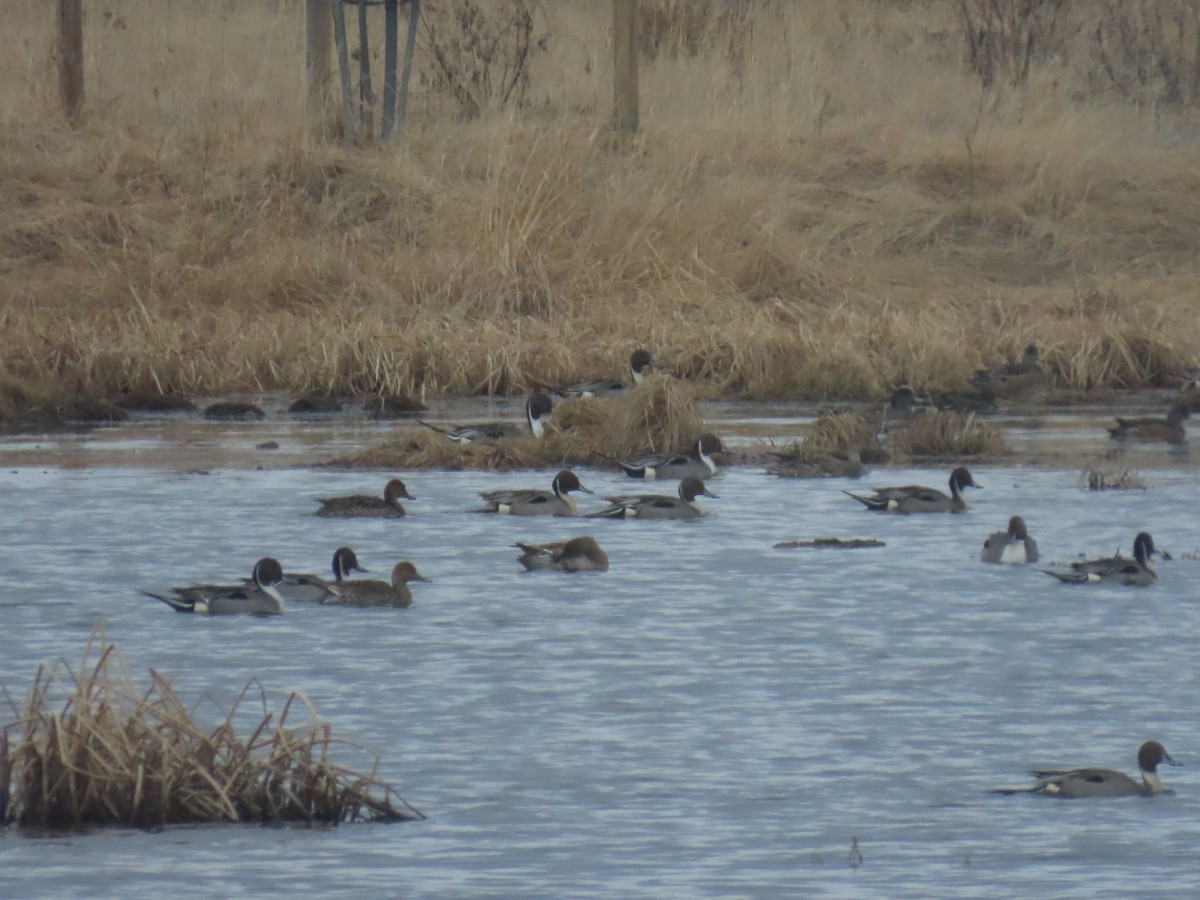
1005 37
1150 49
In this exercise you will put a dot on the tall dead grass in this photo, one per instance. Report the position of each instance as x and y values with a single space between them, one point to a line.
823 202
89 747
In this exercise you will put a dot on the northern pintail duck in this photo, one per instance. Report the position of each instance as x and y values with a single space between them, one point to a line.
528 502
538 409
818 465
957 401
1115 569
1075 783
315 403
314 589
261 598
579 554
658 506
363 592
639 361
916 499
1169 429
1014 546
235 410
365 506
901 408
1015 379
698 461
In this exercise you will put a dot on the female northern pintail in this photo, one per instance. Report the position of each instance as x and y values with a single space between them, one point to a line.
554 502
314 589
579 554
258 599
1016 379
1014 546
1115 569
538 409
916 499
364 592
364 505
818 465
1169 429
697 462
1073 783
639 362
658 506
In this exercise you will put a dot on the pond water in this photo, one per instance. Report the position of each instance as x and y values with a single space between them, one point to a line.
712 717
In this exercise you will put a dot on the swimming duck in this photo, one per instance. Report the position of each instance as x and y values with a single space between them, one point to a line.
314 589
658 506
554 502
697 462
1074 783
579 554
916 499
1169 429
639 362
1014 546
807 465
1115 569
364 506
538 409
1016 379
258 599
363 592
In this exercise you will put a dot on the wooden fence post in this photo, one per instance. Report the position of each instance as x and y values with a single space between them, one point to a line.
318 50
625 75
70 56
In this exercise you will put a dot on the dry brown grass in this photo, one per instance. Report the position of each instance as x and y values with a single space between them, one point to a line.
90 747
821 204
658 415
948 434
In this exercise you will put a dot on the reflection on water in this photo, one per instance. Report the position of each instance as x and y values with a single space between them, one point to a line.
712 717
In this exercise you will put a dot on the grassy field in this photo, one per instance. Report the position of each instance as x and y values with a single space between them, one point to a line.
824 201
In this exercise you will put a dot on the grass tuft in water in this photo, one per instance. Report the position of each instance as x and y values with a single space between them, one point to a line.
89 747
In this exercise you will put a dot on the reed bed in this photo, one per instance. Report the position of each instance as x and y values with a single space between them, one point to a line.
824 200
89 747
658 415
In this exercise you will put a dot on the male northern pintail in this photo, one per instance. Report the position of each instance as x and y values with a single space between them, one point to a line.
363 592
1014 546
366 506
658 506
579 554
313 588
1015 379
529 502
818 465
698 461
1169 429
538 409
258 599
916 499
1073 783
639 362
1115 569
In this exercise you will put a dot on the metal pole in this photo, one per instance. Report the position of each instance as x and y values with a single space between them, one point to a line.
414 12
318 48
70 56
625 74
339 37
391 24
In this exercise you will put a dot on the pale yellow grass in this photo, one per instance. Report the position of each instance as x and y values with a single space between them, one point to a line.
831 210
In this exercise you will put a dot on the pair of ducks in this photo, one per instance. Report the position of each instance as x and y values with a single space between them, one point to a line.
539 407
269 589
558 502
1017 547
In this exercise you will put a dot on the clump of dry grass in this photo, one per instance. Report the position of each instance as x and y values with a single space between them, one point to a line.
1094 479
91 748
659 414
948 434
833 435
